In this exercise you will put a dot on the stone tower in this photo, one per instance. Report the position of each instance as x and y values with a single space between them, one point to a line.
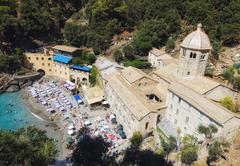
194 52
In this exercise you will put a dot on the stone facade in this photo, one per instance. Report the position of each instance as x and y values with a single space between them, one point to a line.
192 63
44 62
192 98
136 102
158 58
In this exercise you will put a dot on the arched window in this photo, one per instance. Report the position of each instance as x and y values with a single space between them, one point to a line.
194 55
191 55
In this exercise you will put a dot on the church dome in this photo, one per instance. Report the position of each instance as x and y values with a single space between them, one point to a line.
197 40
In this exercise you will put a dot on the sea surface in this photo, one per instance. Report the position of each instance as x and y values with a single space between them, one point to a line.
14 114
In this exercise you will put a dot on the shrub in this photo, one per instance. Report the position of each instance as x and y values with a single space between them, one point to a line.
138 64
170 45
229 103
189 155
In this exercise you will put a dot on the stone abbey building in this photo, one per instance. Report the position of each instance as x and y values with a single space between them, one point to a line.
176 97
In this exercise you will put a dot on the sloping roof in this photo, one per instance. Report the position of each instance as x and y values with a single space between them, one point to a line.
94 95
81 68
130 100
207 107
167 72
62 58
104 64
65 48
197 40
134 97
132 74
200 84
157 52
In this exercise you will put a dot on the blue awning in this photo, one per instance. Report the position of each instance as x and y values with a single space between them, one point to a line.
77 97
62 58
81 68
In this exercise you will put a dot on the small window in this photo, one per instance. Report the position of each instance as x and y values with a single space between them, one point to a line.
139 84
171 106
36 58
29 58
202 56
42 58
179 100
65 73
184 52
42 64
146 126
48 64
187 120
188 73
50 69
177 111
191 55
49 59
60 72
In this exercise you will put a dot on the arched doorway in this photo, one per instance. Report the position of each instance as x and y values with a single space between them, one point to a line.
84 81
41 71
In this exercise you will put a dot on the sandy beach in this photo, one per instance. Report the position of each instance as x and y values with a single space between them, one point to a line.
52 127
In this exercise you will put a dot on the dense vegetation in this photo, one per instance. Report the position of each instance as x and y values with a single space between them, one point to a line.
93 23
28 146
156 21
93 151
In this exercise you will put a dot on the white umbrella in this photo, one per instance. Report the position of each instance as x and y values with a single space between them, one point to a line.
112 116
70 132
105 102
61 108
70 126
87 122
49 109
106 127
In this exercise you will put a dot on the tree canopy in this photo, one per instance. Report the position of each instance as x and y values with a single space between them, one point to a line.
208 131
29 146
229 103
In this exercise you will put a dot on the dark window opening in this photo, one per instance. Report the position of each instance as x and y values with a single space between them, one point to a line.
153 98
146 126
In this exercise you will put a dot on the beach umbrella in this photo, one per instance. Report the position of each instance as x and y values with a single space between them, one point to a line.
61 108
70 132
112 116
105 102
87 122
71 126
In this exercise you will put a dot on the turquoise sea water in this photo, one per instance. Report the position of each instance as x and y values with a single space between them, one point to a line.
14 114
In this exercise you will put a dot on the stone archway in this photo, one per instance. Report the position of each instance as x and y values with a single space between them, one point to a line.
84 81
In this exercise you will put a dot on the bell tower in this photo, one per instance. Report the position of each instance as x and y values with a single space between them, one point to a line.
194 52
